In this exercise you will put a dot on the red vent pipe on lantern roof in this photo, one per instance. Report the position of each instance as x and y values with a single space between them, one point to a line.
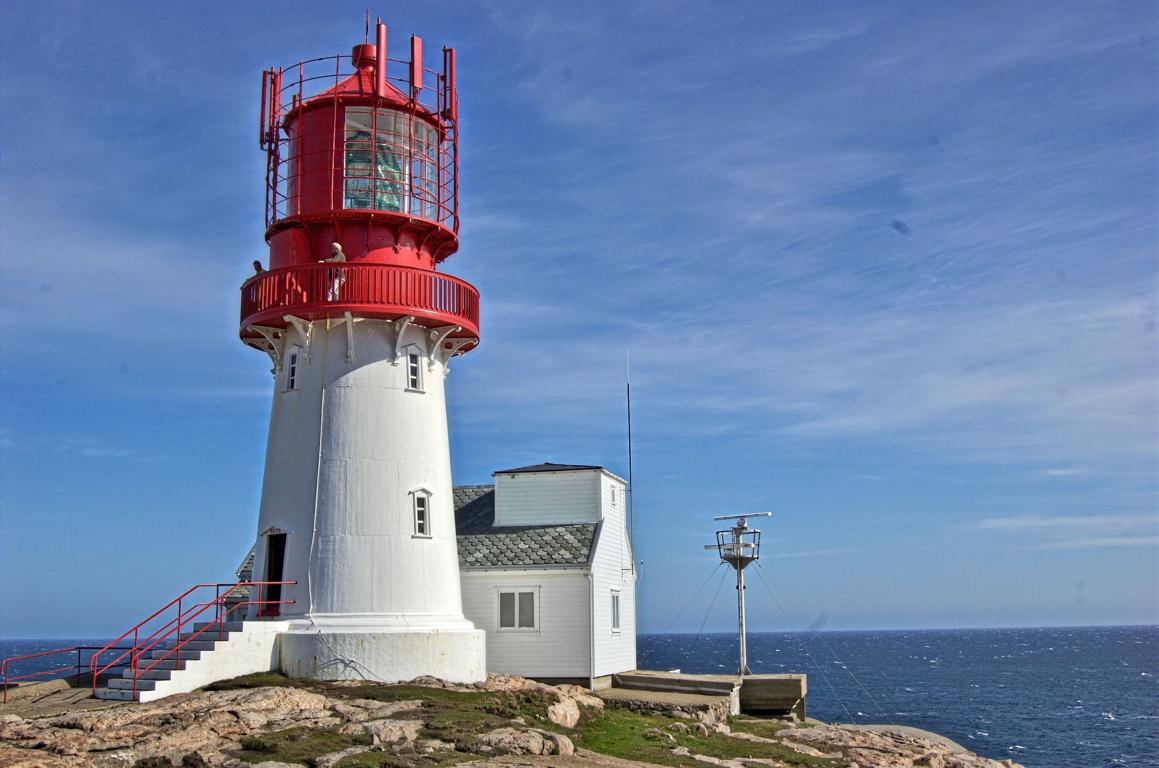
380 60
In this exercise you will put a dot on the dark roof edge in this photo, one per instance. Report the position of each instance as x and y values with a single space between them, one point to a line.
548 466
541 567
596 541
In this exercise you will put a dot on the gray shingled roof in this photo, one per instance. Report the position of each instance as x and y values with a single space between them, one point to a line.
482 544
547 467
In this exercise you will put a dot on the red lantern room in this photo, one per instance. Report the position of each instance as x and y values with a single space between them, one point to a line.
361 194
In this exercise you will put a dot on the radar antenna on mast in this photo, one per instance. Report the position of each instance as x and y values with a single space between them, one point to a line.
738 546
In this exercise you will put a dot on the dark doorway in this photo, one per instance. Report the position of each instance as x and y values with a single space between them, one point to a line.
275 562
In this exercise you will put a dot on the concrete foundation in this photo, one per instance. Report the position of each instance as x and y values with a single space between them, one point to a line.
774 695
384 656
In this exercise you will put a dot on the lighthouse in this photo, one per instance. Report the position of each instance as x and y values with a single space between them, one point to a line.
360 325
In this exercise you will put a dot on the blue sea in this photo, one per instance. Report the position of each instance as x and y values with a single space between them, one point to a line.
1046 698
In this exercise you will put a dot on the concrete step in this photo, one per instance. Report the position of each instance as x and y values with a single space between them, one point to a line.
114 694
126 684
165 664
703 685
192 645
228 626
209 634
186 654
149 674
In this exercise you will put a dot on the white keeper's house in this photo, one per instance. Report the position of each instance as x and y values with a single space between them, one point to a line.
546 570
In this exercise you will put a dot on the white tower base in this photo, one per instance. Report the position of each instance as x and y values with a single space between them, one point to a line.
383 655
357 509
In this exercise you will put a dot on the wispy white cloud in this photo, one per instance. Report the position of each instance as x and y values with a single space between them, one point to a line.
1072 532
1054 522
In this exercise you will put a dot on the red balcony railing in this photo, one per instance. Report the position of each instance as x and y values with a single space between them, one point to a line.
316 291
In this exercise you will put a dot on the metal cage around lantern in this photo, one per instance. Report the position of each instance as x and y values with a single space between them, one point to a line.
409 145
738 547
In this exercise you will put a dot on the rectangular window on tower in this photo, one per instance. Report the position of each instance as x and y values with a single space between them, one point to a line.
615 611
517 610
422 509
414 371
292 369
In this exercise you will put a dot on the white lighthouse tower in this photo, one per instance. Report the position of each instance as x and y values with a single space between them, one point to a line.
356 502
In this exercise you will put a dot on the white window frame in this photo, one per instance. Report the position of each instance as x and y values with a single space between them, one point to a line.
413 369
615 611
421 498
293 369
517 591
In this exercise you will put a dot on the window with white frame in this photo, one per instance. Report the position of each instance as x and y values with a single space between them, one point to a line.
615 611
422 513
613 495
293 360
414 370
517 610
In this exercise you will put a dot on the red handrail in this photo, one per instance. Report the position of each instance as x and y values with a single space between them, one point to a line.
9 678
175 625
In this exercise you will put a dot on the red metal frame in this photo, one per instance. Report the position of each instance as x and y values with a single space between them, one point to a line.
429 95
9 679
173 627
368 290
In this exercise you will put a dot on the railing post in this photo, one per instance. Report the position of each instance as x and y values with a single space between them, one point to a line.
177 646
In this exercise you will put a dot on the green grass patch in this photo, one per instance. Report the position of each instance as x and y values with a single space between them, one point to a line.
761 727
261 680
296 745
406 759
623 733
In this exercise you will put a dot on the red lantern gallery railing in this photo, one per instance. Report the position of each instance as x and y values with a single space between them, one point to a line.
316 291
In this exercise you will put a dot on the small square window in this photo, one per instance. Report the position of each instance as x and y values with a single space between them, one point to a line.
422 510
615 611
517 610
414 371
292 369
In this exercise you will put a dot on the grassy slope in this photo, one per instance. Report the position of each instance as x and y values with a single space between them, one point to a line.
458 717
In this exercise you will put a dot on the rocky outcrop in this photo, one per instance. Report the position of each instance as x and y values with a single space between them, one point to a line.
231 728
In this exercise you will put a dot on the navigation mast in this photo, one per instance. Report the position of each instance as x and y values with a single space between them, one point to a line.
738 546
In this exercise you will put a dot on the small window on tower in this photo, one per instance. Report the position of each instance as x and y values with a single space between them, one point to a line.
292 361
414 370
422 509
615 611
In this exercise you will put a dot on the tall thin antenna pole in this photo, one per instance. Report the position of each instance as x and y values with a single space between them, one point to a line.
631 485
366 30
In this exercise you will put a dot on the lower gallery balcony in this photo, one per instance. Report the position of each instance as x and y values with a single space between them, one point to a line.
319 291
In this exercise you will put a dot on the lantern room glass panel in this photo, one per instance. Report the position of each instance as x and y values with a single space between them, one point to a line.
396 171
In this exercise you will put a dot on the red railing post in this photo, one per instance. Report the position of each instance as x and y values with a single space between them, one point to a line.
177 647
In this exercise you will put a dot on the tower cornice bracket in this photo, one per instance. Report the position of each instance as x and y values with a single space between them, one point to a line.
273 343
438 336
402 324
305 329
455 348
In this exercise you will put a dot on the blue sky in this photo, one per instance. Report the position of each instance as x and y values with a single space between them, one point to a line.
888 270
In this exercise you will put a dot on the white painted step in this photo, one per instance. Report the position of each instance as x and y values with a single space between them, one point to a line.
126 684
244 649
229 626
114 694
